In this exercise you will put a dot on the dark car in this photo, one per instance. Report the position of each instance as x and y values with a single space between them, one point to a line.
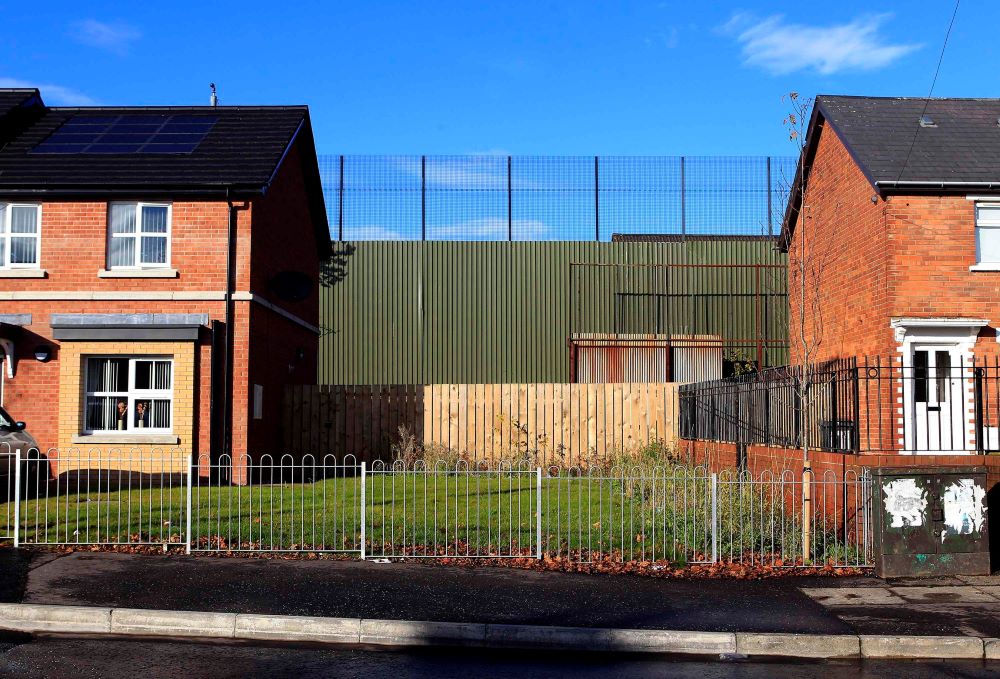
13 436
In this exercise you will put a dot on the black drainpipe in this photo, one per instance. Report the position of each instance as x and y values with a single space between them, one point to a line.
227 393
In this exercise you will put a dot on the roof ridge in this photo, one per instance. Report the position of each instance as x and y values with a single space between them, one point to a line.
257 107
873 98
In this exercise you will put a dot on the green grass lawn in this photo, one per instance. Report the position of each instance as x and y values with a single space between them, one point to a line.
652 519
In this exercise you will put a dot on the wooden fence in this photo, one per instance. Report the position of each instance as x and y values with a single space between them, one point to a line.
552 423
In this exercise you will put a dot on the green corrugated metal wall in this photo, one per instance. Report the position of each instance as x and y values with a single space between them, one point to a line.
403 312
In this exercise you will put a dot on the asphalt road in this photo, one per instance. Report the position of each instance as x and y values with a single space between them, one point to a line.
83 658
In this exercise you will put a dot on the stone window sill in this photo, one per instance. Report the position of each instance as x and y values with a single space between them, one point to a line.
24 273
985 266
137 273
127 439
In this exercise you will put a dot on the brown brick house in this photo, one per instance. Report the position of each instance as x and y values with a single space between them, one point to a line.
158 273
893 225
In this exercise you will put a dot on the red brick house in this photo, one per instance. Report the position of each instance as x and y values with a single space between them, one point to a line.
893 227
158 273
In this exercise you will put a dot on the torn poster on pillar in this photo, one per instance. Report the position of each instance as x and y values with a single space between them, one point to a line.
964 509
906 502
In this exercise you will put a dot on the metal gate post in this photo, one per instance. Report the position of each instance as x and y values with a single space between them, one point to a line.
17 498
715 518
364 506
187 519
538 511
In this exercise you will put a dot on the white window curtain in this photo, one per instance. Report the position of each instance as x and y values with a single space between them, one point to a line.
19 235
128 394
988 233
139 235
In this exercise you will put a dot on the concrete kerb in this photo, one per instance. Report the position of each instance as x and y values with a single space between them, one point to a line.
133 621
890 646
35 618
420 633
798 645
298 628
63 619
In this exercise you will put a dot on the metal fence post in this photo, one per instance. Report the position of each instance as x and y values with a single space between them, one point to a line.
364 507
423 197
683 202
770 210
538 511
597 199
510 201
715 518
187 519
340 202
17 498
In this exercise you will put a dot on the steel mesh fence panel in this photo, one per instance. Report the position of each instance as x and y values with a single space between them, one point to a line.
548 198
465 198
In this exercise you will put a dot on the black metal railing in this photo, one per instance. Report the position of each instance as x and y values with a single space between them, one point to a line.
938 400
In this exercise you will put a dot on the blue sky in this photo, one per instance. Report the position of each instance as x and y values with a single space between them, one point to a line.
643 78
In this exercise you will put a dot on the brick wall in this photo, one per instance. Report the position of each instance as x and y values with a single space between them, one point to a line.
79 452
34 394
280 351
841 251
721 456
73 249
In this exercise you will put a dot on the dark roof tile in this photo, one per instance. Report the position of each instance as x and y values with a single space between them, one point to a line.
885 137
242 150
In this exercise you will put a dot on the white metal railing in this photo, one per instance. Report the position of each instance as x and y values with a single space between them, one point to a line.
275 504
96 498
10 479
456 510
624 513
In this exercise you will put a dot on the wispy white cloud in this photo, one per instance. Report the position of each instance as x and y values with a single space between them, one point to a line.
483 228
58 95
114 37
780 47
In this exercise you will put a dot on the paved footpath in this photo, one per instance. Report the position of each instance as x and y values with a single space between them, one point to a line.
416 591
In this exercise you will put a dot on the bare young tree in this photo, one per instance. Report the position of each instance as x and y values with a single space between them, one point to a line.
807 261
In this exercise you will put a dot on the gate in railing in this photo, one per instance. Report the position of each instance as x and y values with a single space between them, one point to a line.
628 513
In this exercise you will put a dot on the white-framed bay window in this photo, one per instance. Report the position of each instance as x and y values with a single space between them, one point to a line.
988 233
128 394
139 235
20 235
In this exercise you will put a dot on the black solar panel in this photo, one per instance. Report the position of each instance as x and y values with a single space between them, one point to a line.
128 133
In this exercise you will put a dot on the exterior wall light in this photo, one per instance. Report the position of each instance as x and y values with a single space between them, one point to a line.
43 353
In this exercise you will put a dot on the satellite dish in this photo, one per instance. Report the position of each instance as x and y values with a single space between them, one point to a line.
291 286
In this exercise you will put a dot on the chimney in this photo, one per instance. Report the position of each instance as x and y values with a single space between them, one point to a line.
213 100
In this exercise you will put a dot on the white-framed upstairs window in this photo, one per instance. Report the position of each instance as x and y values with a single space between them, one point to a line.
988 233
139 235
20 235
128 394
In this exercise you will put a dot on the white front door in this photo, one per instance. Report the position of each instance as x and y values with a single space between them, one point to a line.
936 400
